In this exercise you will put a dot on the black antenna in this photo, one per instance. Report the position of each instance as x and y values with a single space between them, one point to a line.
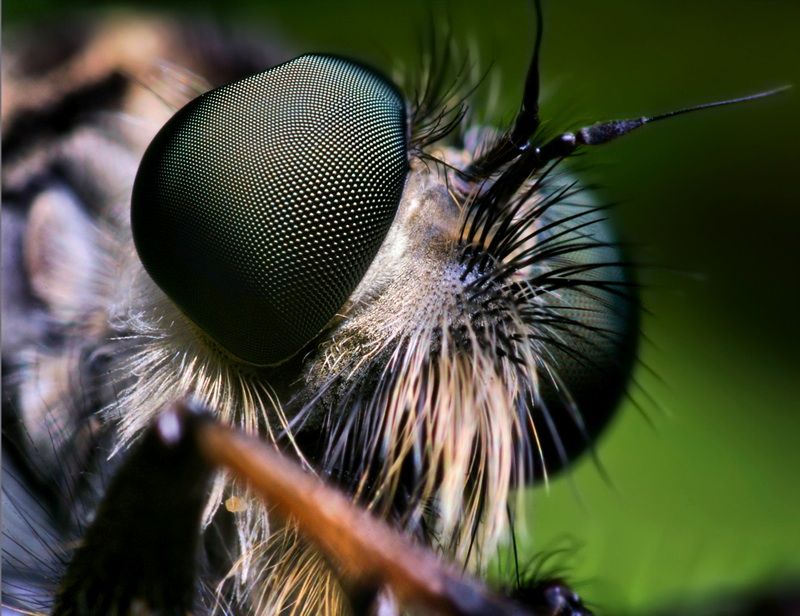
515 142
603 132
527 120
534 159
514 145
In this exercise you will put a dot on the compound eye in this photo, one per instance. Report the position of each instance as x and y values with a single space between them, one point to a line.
594 332
260 205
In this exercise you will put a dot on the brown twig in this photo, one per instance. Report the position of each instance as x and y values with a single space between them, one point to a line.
368 552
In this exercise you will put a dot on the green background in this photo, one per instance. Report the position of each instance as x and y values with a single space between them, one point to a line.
702 493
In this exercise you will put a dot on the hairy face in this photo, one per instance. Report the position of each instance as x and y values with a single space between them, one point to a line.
423 309
483 340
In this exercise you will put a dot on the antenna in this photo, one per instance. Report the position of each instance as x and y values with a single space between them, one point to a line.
526 162
515 142
604 132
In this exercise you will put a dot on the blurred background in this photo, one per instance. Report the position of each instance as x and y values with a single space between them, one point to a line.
702 495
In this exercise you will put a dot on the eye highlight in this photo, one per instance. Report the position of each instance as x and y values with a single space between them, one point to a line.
260 205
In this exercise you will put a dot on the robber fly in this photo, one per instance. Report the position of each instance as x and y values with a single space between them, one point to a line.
423 314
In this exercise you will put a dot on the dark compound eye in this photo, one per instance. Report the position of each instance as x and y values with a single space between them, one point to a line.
592 322
260 205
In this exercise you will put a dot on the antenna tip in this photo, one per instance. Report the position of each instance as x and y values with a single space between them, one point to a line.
774 91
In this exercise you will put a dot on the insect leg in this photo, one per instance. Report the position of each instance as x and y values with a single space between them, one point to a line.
140 552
